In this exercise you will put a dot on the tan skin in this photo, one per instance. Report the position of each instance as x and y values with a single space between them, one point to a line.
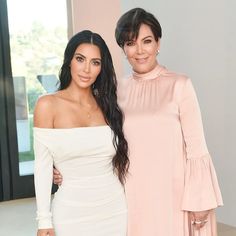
141 54
69 108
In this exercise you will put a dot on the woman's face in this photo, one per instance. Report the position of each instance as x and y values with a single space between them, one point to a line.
141 53
85 65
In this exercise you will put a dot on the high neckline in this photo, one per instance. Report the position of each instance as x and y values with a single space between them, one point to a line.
153 74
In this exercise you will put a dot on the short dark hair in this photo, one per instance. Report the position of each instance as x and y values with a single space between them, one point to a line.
128 25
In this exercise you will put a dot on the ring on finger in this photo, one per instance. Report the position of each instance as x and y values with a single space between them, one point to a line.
198 222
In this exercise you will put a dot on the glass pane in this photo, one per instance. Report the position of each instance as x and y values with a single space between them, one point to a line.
38 36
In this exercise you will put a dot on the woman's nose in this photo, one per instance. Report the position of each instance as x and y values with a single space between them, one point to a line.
87 67
139 49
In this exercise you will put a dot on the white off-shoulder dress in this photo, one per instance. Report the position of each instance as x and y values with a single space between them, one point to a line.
91 200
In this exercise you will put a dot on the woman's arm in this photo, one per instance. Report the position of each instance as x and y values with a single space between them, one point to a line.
201 193
43 118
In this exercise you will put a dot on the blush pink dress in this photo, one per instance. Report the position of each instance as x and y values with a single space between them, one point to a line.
171 171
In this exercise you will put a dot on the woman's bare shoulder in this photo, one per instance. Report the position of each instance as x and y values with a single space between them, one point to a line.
45 110
45 102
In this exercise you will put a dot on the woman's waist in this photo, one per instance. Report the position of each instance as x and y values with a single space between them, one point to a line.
76 170
95 180
91 193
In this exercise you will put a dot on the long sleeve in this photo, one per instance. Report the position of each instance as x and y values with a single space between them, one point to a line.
201 190
43 170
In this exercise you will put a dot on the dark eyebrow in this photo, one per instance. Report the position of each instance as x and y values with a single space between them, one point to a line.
133 40
99 59
79 54
147 37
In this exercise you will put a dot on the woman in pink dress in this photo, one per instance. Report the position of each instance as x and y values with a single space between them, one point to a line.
171 188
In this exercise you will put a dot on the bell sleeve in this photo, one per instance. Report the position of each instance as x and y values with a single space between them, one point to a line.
201 190
43 174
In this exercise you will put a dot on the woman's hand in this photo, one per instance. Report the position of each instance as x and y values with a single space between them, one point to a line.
57 177
198 219
45 232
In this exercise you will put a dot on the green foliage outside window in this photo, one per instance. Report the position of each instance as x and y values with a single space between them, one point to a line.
38 51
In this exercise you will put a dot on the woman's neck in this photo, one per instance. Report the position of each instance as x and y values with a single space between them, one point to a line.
82 96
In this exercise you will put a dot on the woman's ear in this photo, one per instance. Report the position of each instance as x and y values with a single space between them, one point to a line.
158 45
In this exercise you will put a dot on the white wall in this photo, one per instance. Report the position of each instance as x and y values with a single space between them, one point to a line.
199 39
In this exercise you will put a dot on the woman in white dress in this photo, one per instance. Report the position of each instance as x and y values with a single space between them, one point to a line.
79 130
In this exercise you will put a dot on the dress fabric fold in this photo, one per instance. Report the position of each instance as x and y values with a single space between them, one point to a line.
171 171
91 200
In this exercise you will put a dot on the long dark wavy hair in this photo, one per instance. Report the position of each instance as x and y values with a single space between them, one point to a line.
104 91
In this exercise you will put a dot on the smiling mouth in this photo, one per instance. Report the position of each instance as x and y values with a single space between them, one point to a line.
141 60
84 78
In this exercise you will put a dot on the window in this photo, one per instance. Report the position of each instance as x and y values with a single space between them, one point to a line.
38 36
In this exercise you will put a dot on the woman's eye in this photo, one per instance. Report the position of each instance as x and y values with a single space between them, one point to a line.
130 43
148 41
80 59
96 63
